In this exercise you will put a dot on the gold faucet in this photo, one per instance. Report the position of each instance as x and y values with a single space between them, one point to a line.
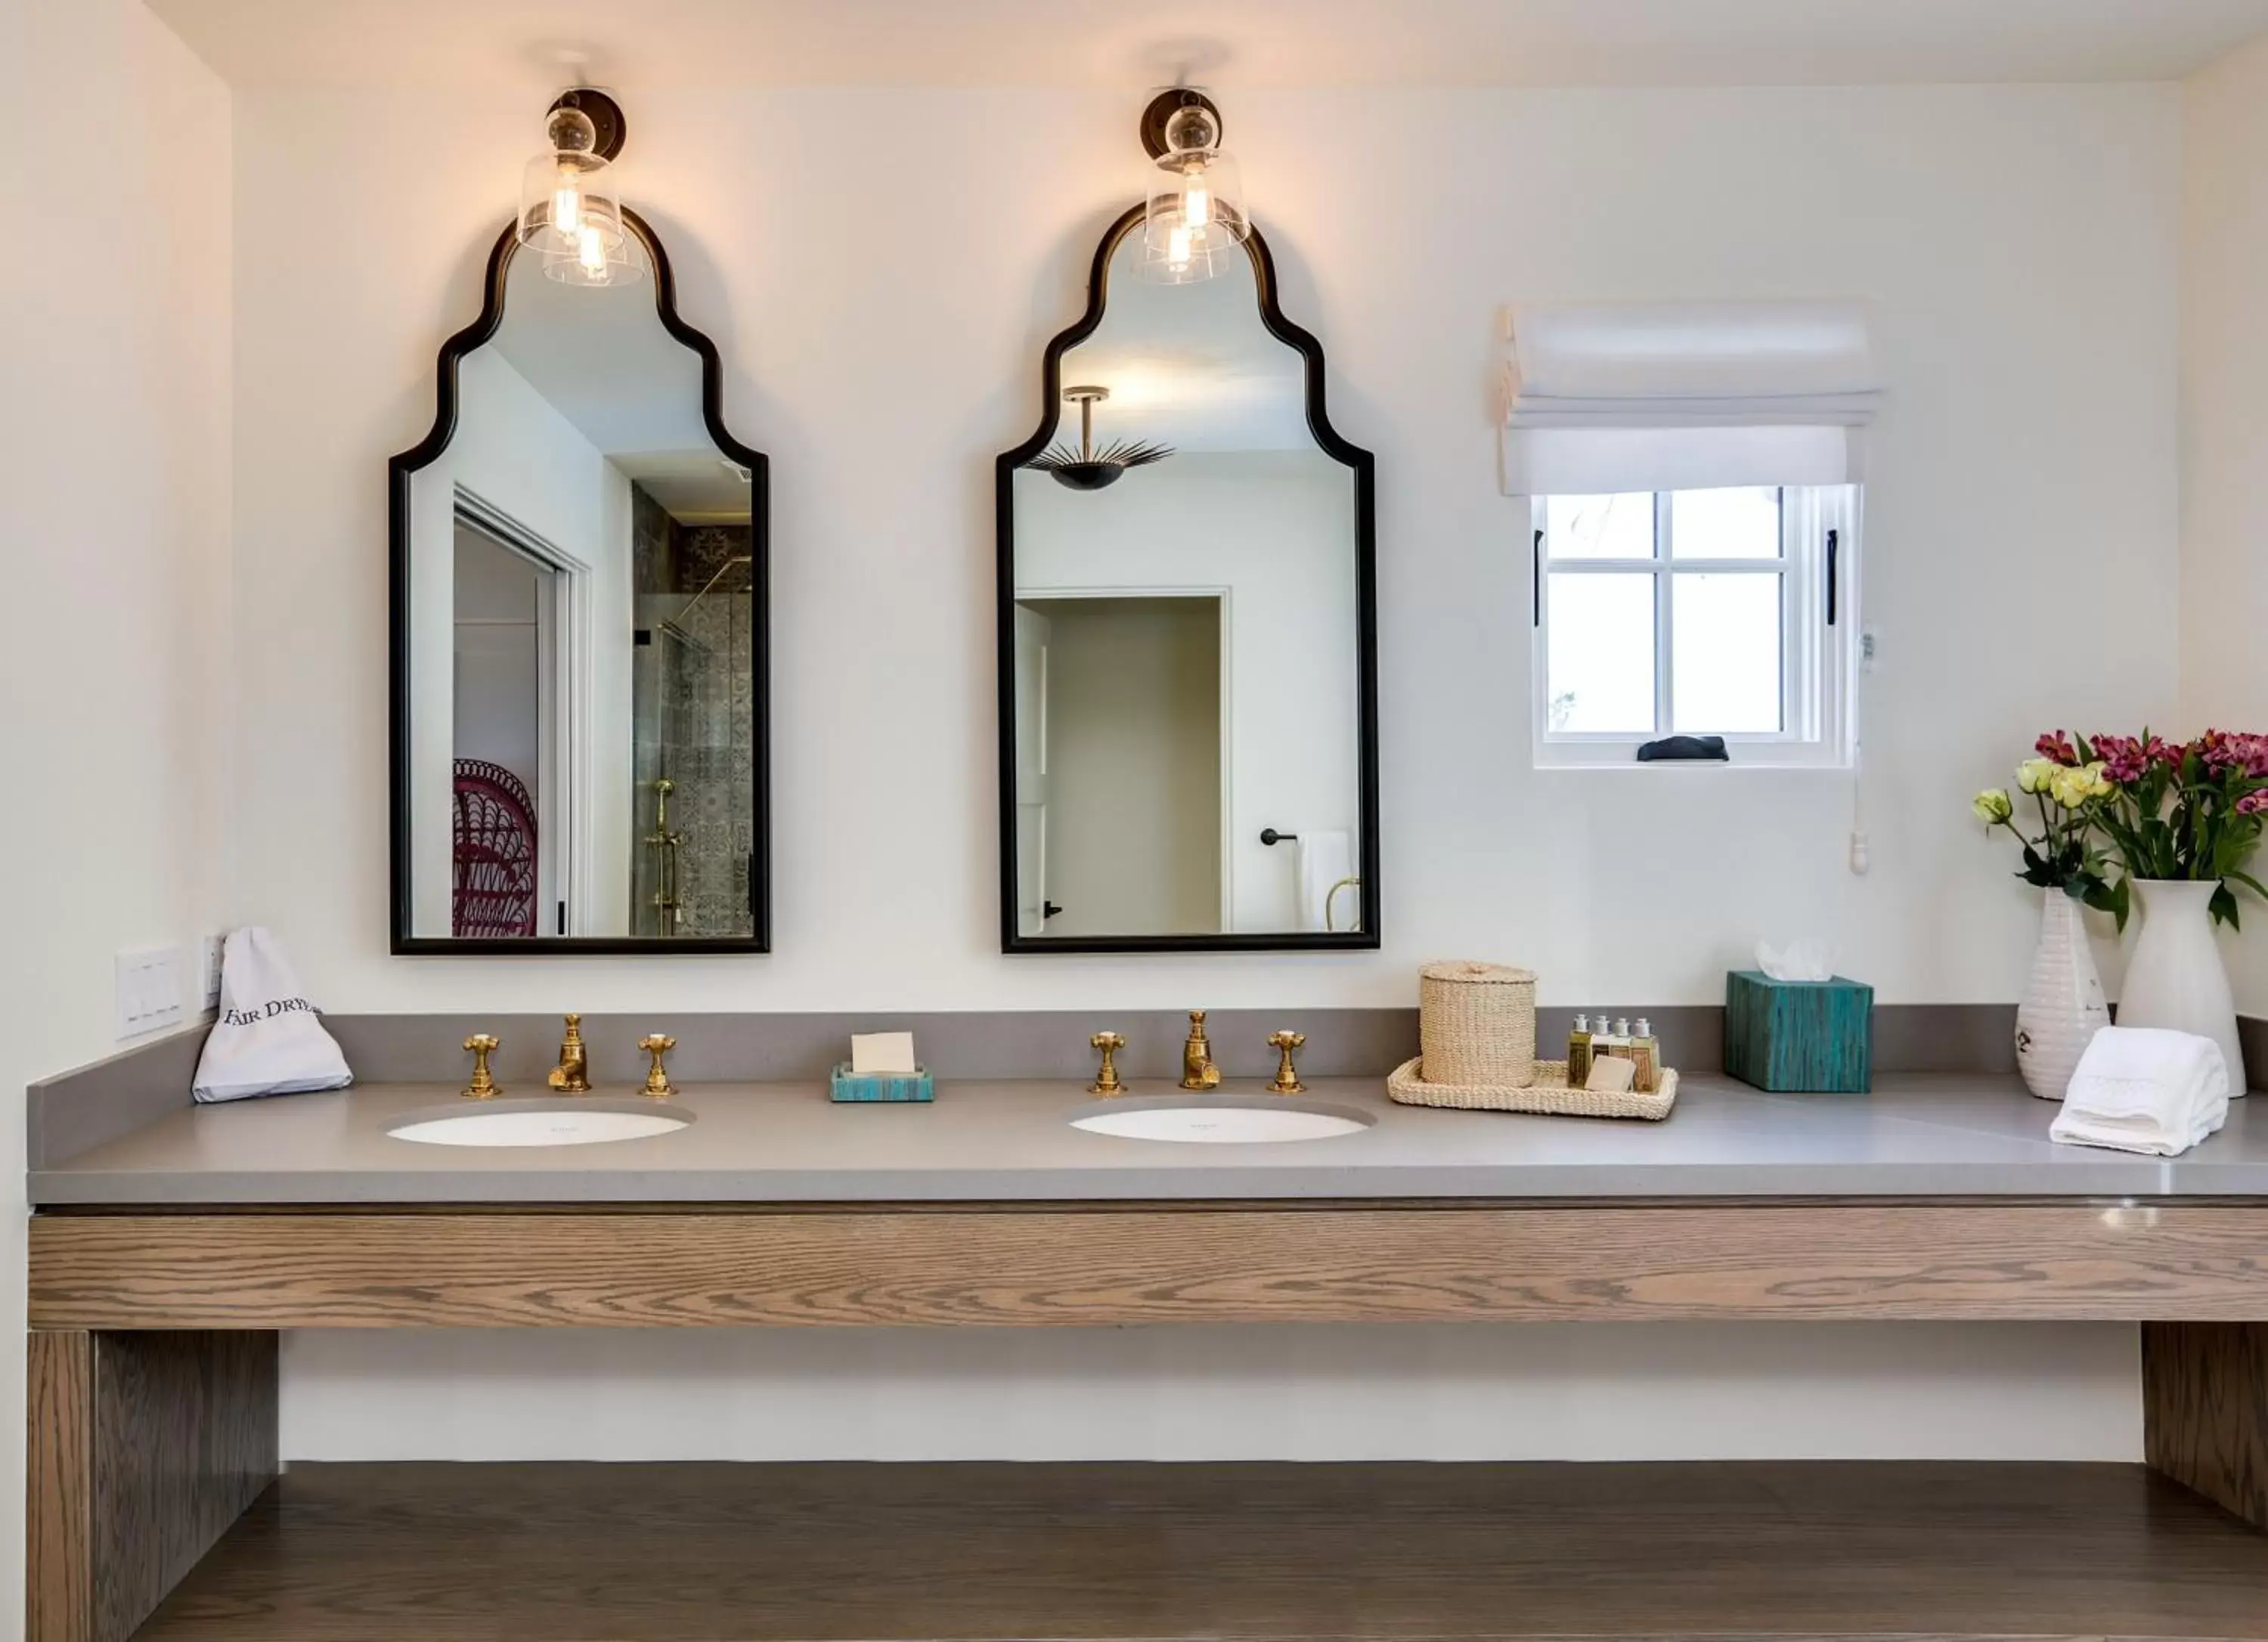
657 1078
483 1086
573 1074
1197 1070
1287 1075
1106 1080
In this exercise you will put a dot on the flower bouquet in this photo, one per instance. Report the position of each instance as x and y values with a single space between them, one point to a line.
2187 813
2069 787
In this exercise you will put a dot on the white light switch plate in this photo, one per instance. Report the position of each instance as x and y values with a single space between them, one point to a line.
149 991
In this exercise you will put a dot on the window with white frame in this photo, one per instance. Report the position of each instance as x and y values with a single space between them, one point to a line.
1723 611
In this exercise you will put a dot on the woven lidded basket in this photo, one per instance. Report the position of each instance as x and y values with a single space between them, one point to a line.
1476 1025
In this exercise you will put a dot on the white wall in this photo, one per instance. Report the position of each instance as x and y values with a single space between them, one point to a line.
518 454
2020 244
1276 528
116 723
1454 1391
2225 421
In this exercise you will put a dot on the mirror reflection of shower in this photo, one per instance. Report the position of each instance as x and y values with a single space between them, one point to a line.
694 701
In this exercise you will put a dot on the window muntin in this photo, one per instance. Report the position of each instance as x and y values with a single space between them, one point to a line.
1692 611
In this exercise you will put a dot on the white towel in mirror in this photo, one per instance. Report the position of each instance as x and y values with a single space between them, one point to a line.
1326 858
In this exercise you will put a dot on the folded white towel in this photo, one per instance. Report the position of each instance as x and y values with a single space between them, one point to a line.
2144 1089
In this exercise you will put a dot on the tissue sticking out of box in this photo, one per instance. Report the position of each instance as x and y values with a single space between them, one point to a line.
882 1054
1803 959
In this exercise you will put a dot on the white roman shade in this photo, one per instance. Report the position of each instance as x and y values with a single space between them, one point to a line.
1664 396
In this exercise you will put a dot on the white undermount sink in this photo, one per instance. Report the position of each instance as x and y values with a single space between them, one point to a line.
1222 1120
539 1122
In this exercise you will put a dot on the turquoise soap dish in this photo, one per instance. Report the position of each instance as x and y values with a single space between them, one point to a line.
859 1089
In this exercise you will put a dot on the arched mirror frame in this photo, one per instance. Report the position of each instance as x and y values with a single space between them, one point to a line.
1353 456
403 467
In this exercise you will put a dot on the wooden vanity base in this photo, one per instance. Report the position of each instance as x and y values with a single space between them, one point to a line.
153 1388
143 1449
2205 1396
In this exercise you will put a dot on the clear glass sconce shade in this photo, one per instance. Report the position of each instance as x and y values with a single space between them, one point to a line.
569 212
1194 221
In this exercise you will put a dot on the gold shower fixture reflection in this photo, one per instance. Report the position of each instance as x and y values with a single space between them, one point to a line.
1087 469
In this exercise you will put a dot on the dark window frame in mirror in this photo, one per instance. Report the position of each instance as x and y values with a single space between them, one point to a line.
400 469
1362 464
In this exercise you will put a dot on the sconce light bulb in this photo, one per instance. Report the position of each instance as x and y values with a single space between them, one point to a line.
590 246
1198 202
1177 246
566 205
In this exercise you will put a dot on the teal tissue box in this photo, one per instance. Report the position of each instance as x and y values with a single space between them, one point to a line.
849 1086
1799 1037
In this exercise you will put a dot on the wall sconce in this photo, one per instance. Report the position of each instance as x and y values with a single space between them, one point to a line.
569 211
1195 220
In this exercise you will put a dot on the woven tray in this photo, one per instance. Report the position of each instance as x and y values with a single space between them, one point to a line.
1548 1094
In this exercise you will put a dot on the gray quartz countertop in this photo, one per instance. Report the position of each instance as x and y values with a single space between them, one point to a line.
1916 1135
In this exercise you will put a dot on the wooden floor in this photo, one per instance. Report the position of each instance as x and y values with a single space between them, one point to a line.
852 1553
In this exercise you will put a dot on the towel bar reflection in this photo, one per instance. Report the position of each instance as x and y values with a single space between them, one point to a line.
1269 836
1330 924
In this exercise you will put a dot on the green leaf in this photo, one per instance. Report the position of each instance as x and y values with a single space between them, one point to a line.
2223 906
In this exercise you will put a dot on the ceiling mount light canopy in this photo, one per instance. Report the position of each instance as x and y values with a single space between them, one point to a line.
1194 221
1087 469
570 213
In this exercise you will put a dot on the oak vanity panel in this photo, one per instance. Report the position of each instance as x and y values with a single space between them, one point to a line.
143 1449
1011 1266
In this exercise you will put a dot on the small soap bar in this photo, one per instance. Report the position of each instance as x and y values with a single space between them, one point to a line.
1612 1074
882 1054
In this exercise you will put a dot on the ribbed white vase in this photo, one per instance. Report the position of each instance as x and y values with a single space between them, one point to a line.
2064 1005
2175 979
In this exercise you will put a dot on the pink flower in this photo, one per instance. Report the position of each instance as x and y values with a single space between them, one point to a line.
2056 746
2222 751
2124 758
2254 802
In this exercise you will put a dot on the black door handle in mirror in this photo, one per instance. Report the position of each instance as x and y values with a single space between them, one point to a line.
1047 909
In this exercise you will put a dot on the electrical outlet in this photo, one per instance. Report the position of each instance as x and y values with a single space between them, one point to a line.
149 991
208 972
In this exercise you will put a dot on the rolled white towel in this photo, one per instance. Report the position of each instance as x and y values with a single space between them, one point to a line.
2144 1089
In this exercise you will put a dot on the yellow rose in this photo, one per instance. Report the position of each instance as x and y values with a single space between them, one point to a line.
2073 788
1992 807
2033 774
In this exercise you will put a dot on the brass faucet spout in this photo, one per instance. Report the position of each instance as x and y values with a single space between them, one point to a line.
1197 1070
573 1074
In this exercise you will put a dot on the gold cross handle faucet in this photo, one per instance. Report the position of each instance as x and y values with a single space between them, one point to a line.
657 1078
1287 1075
1105 1079
483 1088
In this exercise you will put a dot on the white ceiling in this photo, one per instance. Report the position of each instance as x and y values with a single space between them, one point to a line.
1230 42
1190 366
602 360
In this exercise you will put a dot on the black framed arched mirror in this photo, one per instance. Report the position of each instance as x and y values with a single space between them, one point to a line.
1188 626
579 692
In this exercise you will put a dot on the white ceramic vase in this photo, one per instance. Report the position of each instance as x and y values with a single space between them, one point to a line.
2175 979
2064 1005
